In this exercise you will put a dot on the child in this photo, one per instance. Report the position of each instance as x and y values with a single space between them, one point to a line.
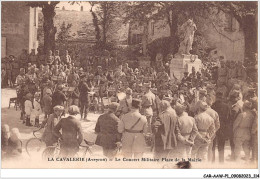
28 109
47 103
36 109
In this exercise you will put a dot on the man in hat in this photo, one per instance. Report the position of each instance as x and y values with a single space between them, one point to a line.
133 126
147 104
125 104
84 89
15 68
242 131
165 138
58 97
202 96
106 128
222 110
49 123
215 116
186 132
72 134
235 109
206 128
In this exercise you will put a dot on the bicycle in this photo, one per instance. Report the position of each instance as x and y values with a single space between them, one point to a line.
34 144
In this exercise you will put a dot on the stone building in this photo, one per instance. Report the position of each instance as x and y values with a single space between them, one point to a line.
19 28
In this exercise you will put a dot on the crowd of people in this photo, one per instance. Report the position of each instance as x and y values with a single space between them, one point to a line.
140 108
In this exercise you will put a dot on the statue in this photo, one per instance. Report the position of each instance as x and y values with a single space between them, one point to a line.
186 36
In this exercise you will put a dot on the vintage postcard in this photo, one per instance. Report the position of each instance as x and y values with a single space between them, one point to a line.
129 85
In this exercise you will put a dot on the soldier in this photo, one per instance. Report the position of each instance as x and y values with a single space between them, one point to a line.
49 123
206 128
8 67
186 132
148 104
133 126
67 59
15 68
242 131
107 134
234 110
72 134
165 138
222 109
57 60
125 105
215 116
84 89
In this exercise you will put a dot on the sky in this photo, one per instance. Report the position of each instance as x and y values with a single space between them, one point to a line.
75 7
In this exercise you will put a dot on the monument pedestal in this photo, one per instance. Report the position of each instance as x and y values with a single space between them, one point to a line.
184 63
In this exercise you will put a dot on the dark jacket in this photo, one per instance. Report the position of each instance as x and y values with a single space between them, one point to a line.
72 134
223 111
58 98
83 89
106 128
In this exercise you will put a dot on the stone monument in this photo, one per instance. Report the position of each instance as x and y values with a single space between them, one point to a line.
183 61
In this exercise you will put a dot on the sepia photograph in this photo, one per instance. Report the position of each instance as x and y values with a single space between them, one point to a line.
129 85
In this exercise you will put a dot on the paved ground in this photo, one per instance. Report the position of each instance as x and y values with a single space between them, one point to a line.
11 117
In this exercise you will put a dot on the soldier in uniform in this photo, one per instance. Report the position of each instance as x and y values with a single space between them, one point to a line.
234 109
8 67
84 89
58 97
215 116
125 105
165 138
72 134
15 68
206 128
222 109
242 131
186 132
147 104
133 126
107 131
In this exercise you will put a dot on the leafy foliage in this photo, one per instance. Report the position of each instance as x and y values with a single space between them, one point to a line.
64 33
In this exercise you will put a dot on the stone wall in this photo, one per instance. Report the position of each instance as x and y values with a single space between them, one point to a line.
15 26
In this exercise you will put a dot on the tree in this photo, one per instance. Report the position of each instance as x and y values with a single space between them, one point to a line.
48 11
245 12
105 14
64 33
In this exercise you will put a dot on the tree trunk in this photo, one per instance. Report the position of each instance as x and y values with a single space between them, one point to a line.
104 25
249 27
174 32
145 38
48 27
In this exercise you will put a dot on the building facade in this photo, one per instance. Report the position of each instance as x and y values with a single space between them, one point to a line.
19 28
